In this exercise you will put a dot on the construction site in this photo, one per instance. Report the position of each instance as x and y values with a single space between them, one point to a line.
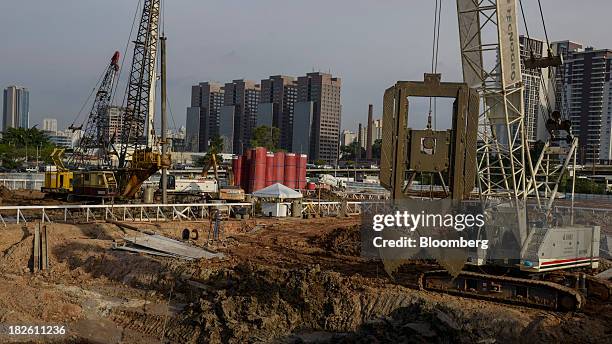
114 248
272 280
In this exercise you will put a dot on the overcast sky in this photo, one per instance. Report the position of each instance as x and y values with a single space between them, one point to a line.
59 48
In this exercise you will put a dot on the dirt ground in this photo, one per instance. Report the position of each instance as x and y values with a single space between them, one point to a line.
282 281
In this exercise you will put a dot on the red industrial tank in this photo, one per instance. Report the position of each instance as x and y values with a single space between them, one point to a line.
290 170
237 169
258 169
300 171
279 167
270 178
246 170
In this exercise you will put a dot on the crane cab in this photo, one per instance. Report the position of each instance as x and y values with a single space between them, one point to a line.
94 184
58 182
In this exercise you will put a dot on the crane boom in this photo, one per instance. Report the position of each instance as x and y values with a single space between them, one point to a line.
493 68
139 158
140 108
96 136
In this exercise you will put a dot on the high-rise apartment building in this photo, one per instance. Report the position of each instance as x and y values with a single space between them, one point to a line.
206 102
538 84
49 124
347 137
238 115
115 115
363 136
588 94
192 130
562 48
377 132
317 116
16 108
276 106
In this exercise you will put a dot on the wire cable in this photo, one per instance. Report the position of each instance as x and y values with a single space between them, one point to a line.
170 110
433 45
127 46
524 18
434 59
439 21
540 74
435 112
543 22
162 4
93 90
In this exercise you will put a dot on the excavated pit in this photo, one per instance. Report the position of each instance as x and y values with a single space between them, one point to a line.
283 281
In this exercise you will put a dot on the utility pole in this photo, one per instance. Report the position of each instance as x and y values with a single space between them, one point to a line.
164 183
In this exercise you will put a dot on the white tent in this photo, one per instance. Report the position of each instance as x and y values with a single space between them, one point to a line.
277 191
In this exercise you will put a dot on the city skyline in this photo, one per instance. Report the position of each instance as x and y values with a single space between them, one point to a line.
306 110
60 65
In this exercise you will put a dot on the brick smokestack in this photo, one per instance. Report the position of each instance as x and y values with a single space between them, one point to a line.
369 135
359 144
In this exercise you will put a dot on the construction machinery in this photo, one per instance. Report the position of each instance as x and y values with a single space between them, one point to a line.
93 145
58 181
114 159
485 159
226 192
203 187
139 157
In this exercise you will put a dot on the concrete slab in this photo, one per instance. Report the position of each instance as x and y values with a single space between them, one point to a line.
171 246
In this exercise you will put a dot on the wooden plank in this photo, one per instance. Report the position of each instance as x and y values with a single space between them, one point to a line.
44 248
36 253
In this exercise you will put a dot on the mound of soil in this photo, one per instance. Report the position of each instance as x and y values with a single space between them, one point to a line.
345 241
252 303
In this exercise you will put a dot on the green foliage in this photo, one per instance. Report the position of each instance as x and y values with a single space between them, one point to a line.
21 137
215 147
350 152
588 186
17 143
583 185
200 161
319 162
265 136
376 149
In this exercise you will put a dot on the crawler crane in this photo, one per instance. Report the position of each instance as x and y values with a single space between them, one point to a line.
485 159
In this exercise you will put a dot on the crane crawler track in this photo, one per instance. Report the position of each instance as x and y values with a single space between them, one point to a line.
512 290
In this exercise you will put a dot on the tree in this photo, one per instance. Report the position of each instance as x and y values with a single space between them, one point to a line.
349 152
583 185
215 147
19 143
21 137
319 162
376 149
265 136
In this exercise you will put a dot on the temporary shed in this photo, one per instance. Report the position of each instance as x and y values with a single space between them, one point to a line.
278 191
275 194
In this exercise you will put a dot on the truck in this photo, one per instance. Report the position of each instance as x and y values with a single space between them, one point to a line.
201 188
